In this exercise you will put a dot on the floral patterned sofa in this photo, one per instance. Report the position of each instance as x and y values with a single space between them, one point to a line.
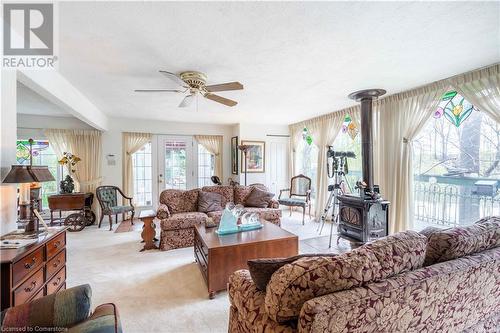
438 281
178 212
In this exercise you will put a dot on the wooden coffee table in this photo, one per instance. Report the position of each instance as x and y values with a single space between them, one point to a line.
219 256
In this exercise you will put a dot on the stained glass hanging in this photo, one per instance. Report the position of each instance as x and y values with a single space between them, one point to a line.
353 129
306 136
23 150
455 108
350 127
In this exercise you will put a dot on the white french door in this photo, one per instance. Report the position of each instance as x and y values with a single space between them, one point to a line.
176 163
277 176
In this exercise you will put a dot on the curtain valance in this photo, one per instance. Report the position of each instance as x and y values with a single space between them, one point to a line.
482 88
214 145
86 144
131 143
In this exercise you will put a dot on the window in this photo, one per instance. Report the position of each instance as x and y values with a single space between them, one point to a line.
43 154
344 142
206 163
456 161
143 180
306 162
176 155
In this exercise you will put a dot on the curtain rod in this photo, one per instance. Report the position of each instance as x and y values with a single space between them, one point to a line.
34 128
42 129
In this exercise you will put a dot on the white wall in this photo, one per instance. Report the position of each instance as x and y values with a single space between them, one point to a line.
259 132
8 192
32 126
55 88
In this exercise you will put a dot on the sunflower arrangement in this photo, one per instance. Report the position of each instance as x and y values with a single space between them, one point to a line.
68 185
70 160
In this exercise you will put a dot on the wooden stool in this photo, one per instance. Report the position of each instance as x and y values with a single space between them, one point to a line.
148 230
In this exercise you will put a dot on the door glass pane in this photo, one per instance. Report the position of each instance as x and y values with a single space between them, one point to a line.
205 166
142 176
175 165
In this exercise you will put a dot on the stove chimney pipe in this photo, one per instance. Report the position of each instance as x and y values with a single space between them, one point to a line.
366 98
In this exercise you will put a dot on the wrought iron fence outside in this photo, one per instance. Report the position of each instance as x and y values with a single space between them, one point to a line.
451 205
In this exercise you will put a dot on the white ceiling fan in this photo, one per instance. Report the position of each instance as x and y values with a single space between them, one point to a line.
193 82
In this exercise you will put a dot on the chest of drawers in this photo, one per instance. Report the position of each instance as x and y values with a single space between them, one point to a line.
33 271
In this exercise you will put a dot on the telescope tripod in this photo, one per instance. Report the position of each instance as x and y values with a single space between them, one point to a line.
336 189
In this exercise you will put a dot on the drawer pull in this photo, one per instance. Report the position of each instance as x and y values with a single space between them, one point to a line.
30 289
28 265
57 244
56 263
55 283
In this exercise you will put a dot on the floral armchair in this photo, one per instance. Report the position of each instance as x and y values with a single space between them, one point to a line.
108 200
67 310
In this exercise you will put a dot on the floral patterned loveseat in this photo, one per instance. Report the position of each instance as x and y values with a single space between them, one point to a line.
438 281
178 212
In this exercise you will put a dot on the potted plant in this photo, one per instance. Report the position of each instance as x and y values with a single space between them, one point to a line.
68 185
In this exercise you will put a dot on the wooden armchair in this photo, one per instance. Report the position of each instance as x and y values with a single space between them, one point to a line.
108 199
299 195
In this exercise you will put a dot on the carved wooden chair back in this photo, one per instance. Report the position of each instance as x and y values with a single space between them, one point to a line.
300 186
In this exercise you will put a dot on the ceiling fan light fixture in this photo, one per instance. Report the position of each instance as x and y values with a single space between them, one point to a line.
196 82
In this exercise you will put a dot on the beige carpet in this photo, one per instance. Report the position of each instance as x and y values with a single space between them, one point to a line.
156 291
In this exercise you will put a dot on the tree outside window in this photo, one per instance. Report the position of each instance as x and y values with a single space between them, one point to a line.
456 165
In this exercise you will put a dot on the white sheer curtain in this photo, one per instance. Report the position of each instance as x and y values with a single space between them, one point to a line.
481 88
323 130
330 128
398 119
214 145
131 143
57 140
86 144
295 137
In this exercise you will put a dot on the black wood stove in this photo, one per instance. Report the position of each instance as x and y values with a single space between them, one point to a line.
364 217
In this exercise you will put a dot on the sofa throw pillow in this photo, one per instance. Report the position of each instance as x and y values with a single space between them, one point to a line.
226 191
261 270
259 198
180 201
209 202
427 232
294 284
458 242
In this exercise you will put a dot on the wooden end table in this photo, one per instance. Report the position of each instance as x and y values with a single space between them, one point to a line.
148 233
220 256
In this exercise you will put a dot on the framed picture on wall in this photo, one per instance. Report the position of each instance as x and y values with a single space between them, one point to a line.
234 155
256 156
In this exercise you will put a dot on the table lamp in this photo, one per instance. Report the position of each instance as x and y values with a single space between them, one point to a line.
26 175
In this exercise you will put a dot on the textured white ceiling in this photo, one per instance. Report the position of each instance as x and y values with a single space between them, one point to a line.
29 102
296 60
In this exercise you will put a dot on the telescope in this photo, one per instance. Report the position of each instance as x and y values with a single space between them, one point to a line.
342 154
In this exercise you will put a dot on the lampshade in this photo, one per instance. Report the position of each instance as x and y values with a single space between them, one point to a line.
28 174
244 148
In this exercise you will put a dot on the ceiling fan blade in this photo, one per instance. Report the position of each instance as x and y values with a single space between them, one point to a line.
158 90
220 99
187 101
174 77
224 86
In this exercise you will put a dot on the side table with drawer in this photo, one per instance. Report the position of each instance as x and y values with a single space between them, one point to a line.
35 270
